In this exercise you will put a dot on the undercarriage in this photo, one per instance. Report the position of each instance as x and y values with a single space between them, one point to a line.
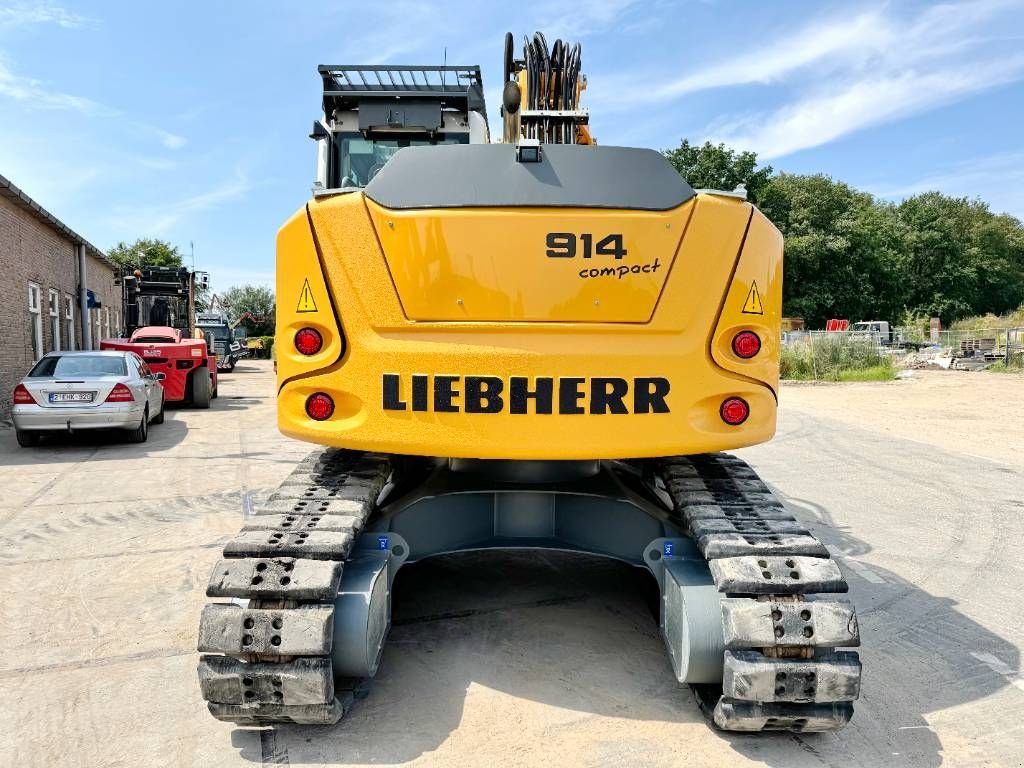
747 610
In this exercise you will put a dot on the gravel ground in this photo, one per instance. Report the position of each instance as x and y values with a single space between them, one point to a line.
514 659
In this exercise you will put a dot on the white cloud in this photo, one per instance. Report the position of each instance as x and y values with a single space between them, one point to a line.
158 219
33 94
57 184
998 179
819 118
581 21
36 95
24 14
414 28
394 29
848 73
224 276
170 140
827 41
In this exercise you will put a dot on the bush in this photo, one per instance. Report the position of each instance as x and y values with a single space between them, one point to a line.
1016 365
835 358
267 344
1013 319
915 326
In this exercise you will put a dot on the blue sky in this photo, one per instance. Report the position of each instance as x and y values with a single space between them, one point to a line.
189 121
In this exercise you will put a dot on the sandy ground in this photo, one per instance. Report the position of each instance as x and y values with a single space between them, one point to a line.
510 659
981 414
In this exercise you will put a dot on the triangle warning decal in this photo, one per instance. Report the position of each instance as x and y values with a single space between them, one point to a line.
306 301
753 305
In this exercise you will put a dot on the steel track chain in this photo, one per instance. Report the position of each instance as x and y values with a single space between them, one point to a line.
781 670
274 653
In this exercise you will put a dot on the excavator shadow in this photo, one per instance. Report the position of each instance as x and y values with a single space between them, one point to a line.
566 635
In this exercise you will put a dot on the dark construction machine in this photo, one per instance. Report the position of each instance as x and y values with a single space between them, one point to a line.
534 344
159 311
227 344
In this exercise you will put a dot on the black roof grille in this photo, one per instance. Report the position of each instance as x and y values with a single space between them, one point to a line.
457 87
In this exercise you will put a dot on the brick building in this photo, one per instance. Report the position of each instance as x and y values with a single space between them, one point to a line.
41 308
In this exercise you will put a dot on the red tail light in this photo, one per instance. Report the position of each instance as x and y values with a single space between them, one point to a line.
734 411
308 341
120 394
319 407
746 344
22 396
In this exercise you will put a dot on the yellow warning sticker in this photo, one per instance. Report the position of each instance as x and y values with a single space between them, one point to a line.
306 301
753 305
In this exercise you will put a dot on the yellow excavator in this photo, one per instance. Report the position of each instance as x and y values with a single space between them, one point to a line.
535 343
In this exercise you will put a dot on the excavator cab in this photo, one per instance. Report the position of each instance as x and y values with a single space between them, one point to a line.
372 111
535 344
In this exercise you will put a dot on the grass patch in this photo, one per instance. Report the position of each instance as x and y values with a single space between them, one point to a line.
1016 366
874 373
835 359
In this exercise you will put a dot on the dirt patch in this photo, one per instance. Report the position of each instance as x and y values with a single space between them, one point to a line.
979 414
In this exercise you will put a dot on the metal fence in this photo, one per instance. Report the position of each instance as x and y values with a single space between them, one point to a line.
812 338
1007 343
984 345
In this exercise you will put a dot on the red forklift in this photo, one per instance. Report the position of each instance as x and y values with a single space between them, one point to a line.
159 311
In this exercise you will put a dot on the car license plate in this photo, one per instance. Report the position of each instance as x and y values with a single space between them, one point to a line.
151 353
71 397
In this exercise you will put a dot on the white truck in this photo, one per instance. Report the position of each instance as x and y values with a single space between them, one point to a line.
877 330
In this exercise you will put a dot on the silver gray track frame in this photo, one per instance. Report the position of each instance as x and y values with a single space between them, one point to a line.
314 568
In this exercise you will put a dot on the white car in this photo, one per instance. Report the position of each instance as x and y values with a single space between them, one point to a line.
72 391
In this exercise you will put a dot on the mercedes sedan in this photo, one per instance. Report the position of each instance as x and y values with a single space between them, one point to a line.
72 391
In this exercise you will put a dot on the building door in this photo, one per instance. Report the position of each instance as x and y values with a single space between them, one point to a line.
69 323
54 307
35 320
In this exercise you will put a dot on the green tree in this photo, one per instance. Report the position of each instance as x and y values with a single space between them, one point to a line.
849 255
203 298
842 250
960 258
718 167
255 304
145 252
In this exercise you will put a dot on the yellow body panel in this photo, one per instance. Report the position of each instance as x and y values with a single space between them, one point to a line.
754 303
490 264
679 339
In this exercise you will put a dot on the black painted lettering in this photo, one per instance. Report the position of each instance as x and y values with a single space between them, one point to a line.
649 395
486 394
392 398
569 395
483 394
420 382
606 395
445 394
519 393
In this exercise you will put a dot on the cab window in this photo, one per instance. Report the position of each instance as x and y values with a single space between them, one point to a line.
356 160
